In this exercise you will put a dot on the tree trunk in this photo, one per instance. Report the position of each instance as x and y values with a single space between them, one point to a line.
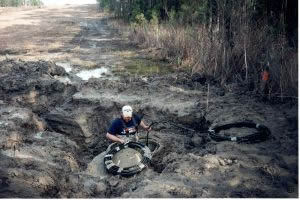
245 40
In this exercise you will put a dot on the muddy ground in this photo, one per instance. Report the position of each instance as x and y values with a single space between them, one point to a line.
54 116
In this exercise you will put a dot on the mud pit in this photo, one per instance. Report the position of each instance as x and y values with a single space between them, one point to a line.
53 123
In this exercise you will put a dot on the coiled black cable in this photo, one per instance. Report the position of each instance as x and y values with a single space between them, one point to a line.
262 133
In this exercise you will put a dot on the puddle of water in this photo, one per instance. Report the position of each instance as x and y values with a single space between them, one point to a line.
135 67
38 135
106 57
63 79
65 65
21 116
147 67
95 73
3 124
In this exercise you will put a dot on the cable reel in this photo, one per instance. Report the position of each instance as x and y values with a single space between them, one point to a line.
262 133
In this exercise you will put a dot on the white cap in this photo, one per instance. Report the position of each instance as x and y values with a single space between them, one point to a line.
127 111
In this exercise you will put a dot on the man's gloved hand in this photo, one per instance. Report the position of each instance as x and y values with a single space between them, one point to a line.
148 128
122 141
127 140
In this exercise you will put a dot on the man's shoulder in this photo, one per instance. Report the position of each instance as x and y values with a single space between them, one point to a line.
136 117
116 124
117 121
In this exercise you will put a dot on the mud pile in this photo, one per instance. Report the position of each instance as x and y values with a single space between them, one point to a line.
53 133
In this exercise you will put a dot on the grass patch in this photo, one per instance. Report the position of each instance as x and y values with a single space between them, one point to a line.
147 67
84 63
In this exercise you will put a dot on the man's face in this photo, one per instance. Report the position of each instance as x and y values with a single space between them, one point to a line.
126 119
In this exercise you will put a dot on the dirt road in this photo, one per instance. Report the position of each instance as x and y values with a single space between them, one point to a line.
73 34
54 116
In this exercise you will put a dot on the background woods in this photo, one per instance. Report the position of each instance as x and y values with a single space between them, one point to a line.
230 40
6 3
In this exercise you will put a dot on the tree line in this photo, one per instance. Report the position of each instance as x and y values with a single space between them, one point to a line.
280 14
230 40
17 3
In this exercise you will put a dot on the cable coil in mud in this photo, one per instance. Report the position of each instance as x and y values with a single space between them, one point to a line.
262 133
113 167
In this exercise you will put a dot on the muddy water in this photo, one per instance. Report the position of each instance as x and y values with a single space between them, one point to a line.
53 120
127 158
132 66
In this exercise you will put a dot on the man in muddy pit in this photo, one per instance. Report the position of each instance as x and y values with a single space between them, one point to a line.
124 129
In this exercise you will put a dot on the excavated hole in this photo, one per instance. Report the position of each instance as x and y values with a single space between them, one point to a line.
64 145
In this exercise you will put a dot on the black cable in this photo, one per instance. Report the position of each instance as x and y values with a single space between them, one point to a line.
147 143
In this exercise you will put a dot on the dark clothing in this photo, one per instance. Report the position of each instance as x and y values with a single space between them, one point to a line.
120 127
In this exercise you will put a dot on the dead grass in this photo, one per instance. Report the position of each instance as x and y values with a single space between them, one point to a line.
127 54
83 63
196 48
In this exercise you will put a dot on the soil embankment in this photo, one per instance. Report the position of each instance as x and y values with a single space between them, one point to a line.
53 119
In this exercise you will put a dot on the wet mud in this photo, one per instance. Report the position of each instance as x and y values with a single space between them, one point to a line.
53 125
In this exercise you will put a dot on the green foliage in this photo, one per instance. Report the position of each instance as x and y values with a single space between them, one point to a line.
154 18
233 36
5 3
106 4
140 19
35 2
17 3
173 15
192 12
135 11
